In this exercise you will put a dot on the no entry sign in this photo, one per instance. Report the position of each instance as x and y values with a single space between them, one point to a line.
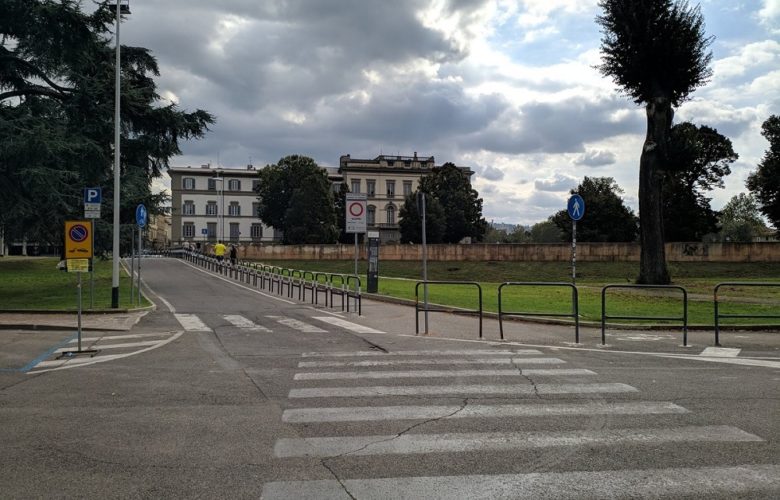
356 213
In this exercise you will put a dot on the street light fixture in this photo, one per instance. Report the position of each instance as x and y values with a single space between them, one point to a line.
122 7
221 217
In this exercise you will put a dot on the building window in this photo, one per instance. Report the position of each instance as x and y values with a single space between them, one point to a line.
234 232
211 227
390 189
211 208
391 214
255 210
234 185
255 185
188 183
355 186
212 184
257 231
188 230
188 208
407 188
371 188
234 209
371 215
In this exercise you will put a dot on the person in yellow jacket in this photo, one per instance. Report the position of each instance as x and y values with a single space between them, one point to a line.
219 250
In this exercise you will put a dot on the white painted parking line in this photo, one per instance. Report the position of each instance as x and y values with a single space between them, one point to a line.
437 374
501 441
297 325
461 352
441 390
122 337
699 482
720 352
77 360
244 323
377 413
192 323
115 346
397 362
347 325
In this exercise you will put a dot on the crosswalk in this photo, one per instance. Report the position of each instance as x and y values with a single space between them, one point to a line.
485 389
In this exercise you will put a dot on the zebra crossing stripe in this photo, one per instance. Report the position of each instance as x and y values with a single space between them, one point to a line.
297 325
436 374
701 482
500 441
192 323
377 413
122 337
244 323
117 346
460 352
441 390
394 362
348 325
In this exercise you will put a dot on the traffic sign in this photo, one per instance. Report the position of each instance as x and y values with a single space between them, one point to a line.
204 231
78 239
78 265
356 213
93 195
576 207
140 215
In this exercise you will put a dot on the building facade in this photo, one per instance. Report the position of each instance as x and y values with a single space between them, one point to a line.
210 204
386 181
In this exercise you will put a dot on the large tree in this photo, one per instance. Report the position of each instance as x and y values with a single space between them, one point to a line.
57 118
411 220
699 159
296 197
461 203
657 51
740 219
606 218
765 181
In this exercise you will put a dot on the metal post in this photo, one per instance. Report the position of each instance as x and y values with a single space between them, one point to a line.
356 260
132 265
140 252
574 251
79 320
425 263
115 256
92 269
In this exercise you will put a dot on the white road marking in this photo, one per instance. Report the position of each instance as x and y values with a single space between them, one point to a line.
395 362
347 325
733 361
701 482
122 337
297 325
461 352
115 346
244 323
720 352
499 441
376 413
192 323
437 374
440 390
76 360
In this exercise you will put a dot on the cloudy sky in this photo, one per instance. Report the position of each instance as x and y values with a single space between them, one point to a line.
506 87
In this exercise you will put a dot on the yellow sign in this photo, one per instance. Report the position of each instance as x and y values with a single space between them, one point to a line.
78 239
78 265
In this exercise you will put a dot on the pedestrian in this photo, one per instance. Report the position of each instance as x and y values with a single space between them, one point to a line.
233 255
219 251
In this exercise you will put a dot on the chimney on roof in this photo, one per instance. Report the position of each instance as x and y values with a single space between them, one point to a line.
207 165
415 155
250 167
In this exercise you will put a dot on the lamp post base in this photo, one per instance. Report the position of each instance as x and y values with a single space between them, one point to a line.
115 297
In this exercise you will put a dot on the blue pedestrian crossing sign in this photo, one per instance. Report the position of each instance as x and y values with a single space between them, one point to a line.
576 207
140 215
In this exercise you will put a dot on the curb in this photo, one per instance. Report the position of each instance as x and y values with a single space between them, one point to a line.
28 326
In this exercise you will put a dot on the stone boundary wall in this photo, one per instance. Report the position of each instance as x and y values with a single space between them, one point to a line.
586 252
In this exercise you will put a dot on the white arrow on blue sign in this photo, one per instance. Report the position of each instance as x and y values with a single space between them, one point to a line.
140 215
93 195
576 207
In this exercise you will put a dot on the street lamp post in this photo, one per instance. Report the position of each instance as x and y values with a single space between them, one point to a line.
122 7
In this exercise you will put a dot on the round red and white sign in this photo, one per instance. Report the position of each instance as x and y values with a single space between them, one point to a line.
356 209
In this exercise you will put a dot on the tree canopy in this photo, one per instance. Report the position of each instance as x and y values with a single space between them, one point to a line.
740 219
699 159
295 196
411 220
658 53
57 118
607 218
765 181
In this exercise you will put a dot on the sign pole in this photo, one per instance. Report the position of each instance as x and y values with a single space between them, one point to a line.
79 245
79 299
140 230
425 263
92 271
574 252
132 266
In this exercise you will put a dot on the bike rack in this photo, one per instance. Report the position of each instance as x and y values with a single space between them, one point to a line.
718 315
575 306
321 287
308 285
436 308
355 293
333 290
684 318
295 282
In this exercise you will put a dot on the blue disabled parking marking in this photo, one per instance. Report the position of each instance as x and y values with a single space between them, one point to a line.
29 366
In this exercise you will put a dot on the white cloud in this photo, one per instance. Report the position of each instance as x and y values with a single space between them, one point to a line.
769 15
558 182
596 158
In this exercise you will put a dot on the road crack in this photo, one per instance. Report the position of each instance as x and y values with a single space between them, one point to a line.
529 379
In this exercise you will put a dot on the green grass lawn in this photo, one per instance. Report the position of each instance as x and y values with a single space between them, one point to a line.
699 279
36 283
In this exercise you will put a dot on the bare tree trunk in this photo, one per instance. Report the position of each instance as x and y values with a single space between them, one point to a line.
652 263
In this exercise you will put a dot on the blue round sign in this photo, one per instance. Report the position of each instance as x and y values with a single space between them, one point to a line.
140 215
78 233
576 207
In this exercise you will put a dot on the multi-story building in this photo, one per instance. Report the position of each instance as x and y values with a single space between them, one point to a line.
210 204
386 181
158 231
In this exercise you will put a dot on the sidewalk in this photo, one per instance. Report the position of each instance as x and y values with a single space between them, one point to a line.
123 321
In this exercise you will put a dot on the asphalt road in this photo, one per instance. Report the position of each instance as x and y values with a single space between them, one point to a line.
229 392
